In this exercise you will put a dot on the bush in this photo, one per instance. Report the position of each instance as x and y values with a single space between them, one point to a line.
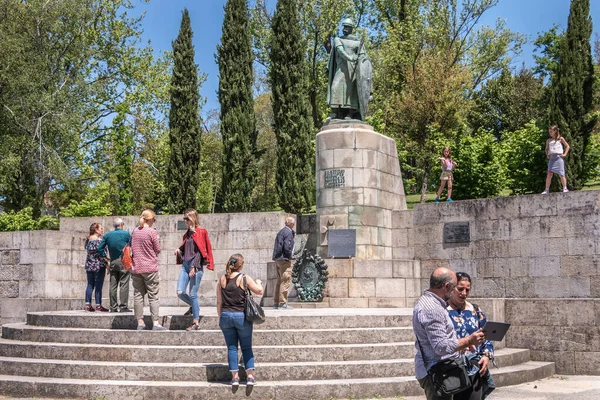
88 207
525 158
24 221
480 171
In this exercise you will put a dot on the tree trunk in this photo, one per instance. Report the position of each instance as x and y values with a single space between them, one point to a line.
424 186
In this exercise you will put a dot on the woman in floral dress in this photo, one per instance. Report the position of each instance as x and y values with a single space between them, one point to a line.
95 268
468 318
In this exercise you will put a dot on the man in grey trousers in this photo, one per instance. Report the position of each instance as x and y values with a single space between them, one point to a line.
283 253
119 276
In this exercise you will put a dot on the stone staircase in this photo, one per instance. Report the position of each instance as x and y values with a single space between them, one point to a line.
300 354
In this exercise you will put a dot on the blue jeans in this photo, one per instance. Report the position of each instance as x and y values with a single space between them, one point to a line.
95 281
236 329
194 284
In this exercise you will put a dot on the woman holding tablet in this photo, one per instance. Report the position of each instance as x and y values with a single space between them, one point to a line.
468 318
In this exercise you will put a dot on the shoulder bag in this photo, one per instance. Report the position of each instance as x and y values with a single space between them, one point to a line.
253 312
448 376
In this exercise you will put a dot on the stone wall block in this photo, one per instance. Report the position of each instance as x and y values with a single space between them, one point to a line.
580 286
525 228
257 221
490 230
544 266
348 197
373 268
371 197
579 266
371 141
489 287
485 268
519 287
565 361
363 216
10 257
347 158
428 234
6 241
9 289
370 158
582 246
8 273
402 219
385 302
337 287
339 267
573 313
384 237
587 363
364 178
399 237
390 287
21 240
428 266
527 313
533 338
413 288
325 159
511 267
575 339
424 214
361 287
348 302
464 265
578 203
338 139
404 269
403 253
33 256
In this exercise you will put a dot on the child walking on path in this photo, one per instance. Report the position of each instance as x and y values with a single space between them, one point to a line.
447 167
556 154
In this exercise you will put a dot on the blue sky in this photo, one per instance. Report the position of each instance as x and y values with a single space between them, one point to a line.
163 17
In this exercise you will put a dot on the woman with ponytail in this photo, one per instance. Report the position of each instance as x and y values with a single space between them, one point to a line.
144 271
231 298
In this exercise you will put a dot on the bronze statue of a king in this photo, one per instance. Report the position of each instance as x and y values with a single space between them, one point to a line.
350 76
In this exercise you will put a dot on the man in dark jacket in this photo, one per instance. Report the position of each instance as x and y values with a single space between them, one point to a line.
115 241
283 255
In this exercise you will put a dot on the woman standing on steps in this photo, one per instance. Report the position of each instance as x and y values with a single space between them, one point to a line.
95 268
468 318
144 271
194 253
231 298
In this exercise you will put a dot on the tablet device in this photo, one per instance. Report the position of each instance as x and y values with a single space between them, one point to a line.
495 330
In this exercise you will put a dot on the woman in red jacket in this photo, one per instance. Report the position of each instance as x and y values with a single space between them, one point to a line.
194 253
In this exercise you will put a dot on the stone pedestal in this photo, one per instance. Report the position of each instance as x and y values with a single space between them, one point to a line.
359 186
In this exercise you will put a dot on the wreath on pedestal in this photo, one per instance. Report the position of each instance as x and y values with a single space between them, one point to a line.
309 275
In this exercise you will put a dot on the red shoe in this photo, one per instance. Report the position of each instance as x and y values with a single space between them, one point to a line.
89 307
100 308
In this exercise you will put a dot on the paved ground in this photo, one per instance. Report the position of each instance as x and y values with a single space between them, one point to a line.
558 387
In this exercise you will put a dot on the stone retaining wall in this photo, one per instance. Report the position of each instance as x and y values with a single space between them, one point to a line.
43 270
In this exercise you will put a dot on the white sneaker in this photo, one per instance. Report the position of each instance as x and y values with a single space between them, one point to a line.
565 190
546 191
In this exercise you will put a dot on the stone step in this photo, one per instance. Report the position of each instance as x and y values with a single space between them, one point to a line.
204 354
219 372
275 319
202 371
212 337
27 386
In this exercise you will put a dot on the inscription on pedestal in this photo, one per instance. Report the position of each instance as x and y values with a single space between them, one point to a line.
457 232
341 243
334 178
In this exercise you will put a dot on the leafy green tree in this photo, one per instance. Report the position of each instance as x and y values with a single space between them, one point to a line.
525 158
480 171
238 124
507 102
571 88
66 67
24 221
291 111
265 192
185 138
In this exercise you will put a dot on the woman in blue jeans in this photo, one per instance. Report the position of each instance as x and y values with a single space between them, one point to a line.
95 268
195 252
231 298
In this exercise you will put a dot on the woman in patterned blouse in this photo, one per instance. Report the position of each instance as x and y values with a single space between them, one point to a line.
467 318
95 268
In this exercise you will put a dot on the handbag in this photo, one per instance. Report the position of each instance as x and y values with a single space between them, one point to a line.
253 312
448 376
127 255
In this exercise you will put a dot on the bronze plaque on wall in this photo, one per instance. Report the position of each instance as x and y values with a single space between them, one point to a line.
457 232
341 243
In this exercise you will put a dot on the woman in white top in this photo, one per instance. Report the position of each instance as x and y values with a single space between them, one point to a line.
556 154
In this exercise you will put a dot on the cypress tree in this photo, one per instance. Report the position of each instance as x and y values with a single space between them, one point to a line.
184 123
238 124
571 91
291 110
